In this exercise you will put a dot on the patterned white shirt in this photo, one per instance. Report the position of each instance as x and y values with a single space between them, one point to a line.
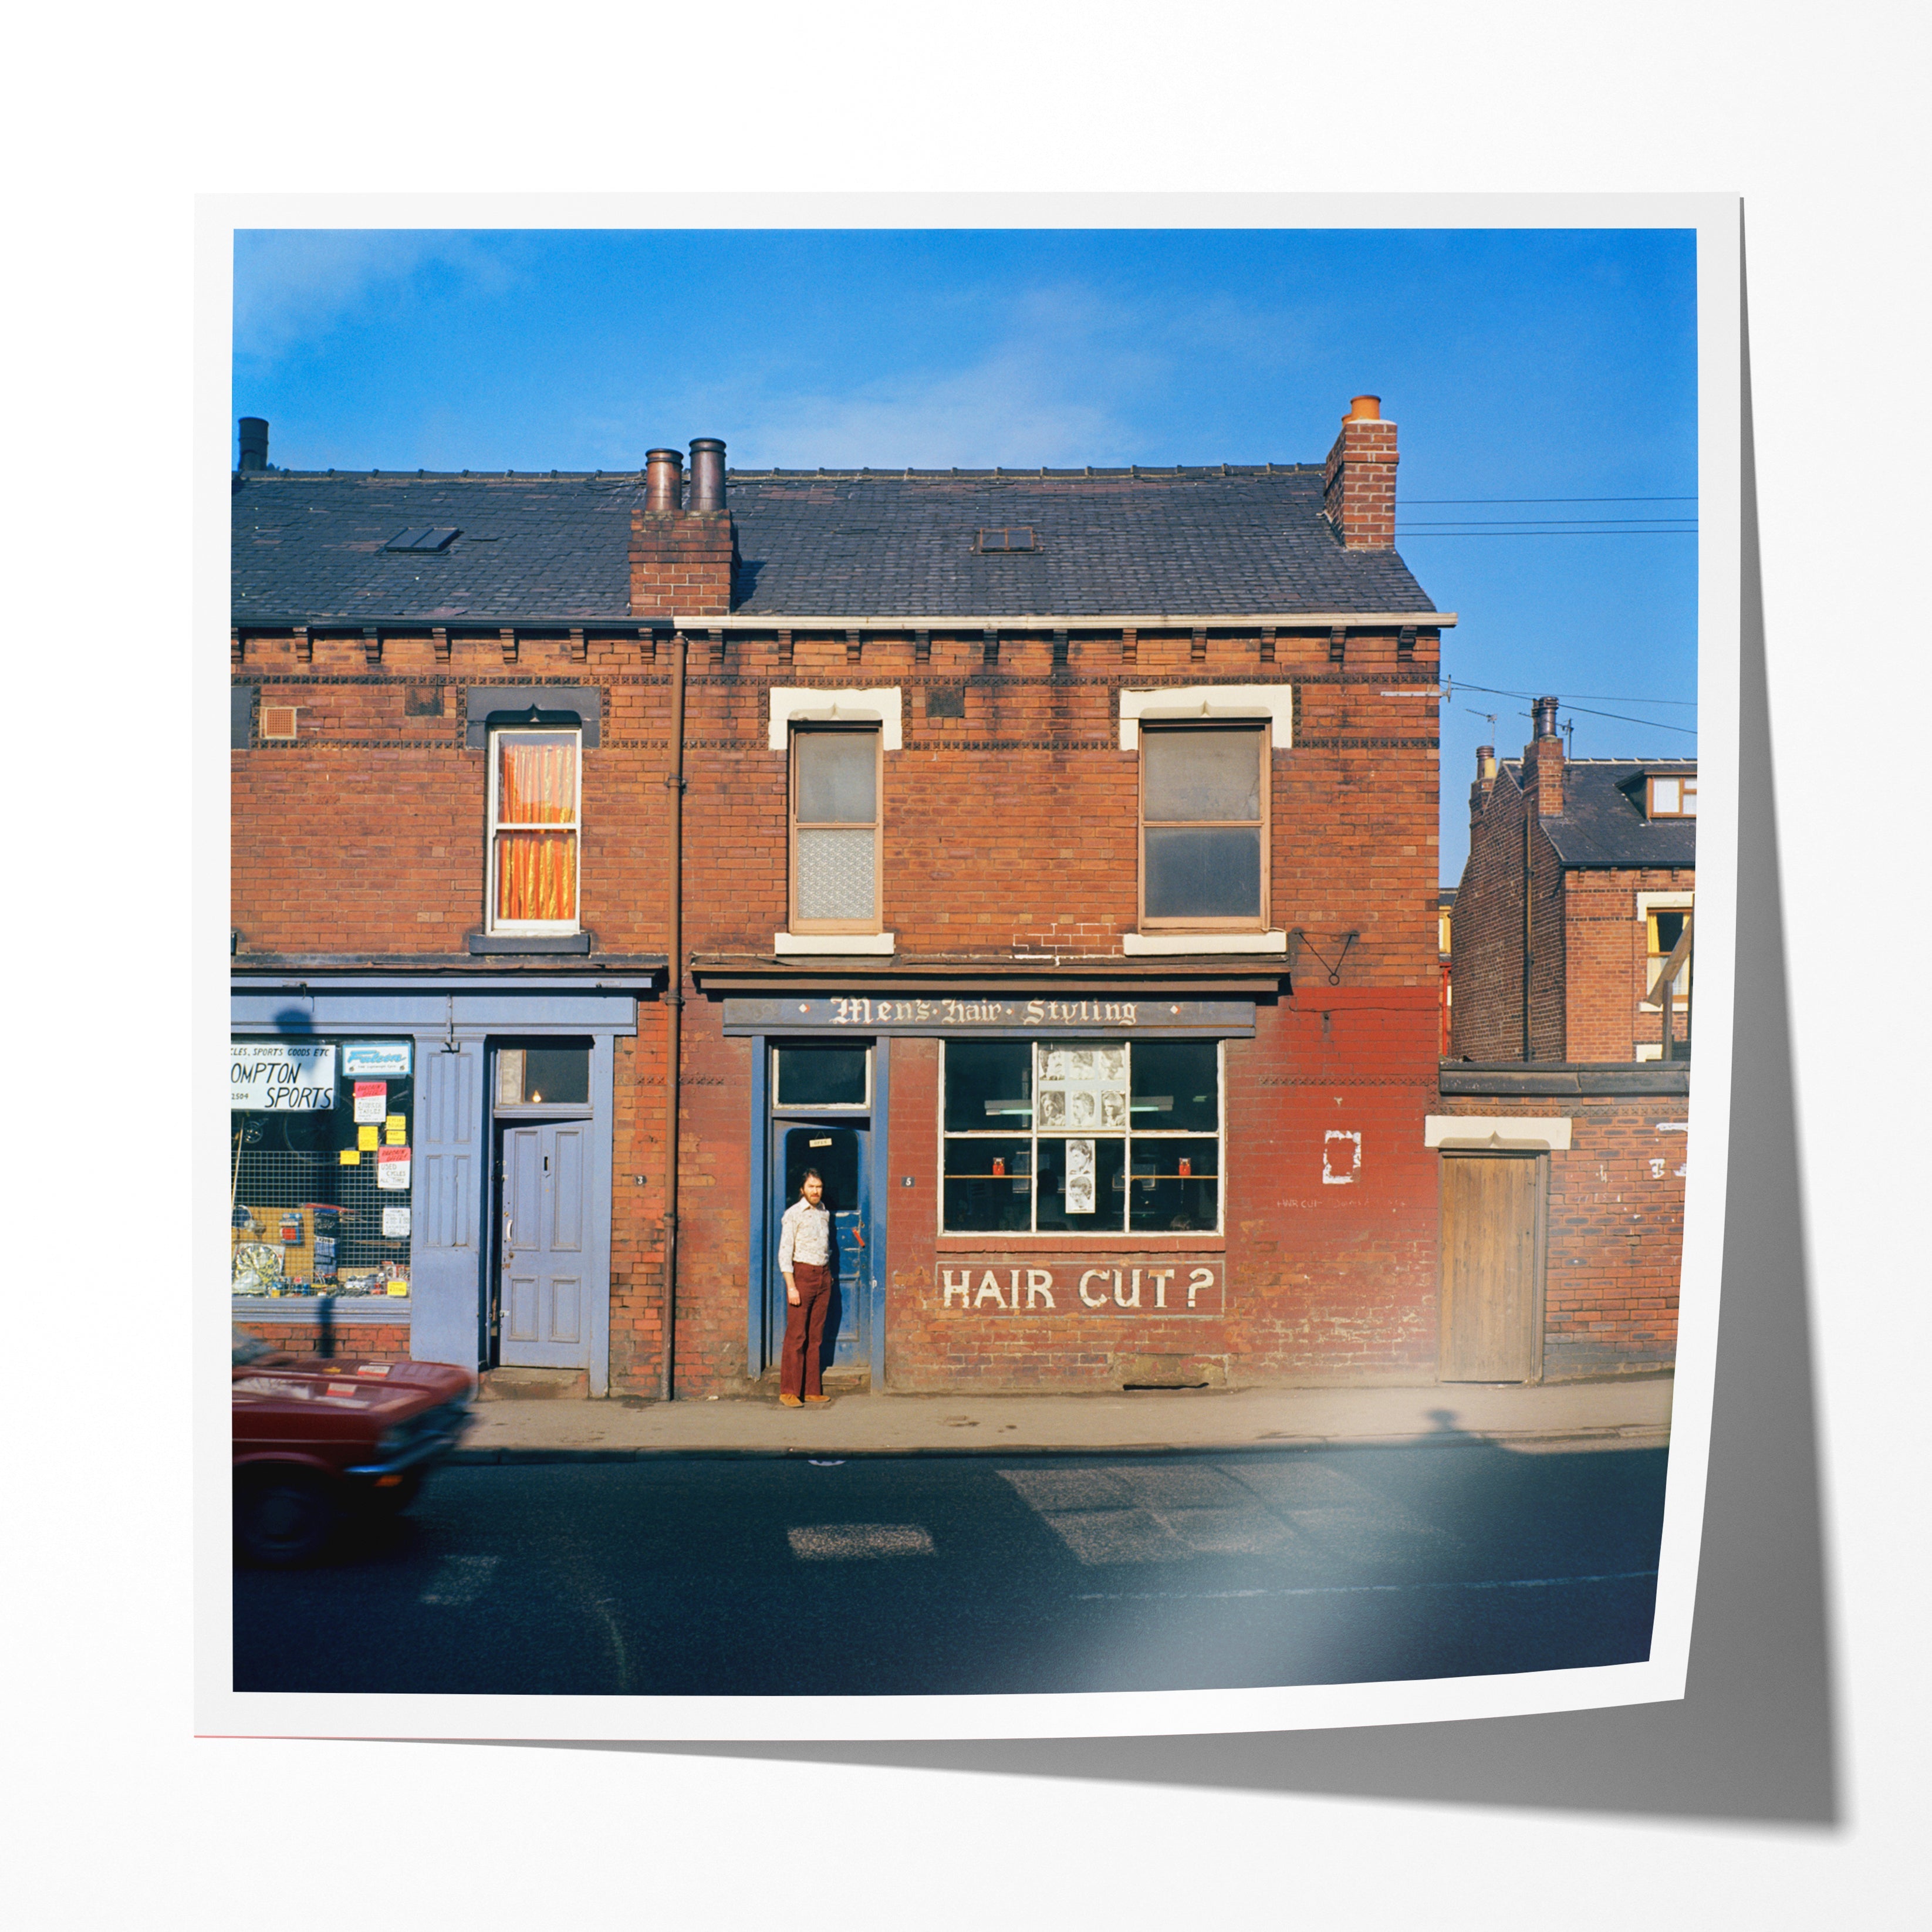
805 1235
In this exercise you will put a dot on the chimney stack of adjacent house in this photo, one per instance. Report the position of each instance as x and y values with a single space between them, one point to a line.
253 443
1358 495
682 555
1543 761
1486 778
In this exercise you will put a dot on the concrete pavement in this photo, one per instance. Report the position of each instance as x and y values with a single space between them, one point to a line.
1614 1413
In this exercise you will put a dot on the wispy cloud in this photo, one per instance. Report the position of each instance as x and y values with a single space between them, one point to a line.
292 285
1058 382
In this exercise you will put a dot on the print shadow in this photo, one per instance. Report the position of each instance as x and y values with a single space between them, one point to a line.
1755 1737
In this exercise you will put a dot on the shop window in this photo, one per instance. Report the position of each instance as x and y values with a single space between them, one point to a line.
1673 798
835 830
1204 827
1078 1137
815 1078
535 798
320 1132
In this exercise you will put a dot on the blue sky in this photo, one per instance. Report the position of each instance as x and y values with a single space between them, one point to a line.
1527 370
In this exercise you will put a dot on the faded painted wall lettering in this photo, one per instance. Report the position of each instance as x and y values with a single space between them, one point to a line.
1149 1286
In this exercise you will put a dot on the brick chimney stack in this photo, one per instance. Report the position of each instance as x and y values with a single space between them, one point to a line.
1543 761
1359 493
682 558
1485 779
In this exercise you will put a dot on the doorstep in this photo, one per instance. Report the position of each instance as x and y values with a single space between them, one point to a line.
534 1385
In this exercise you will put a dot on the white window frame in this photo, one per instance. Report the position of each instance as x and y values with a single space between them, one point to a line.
1126 1235
833 928
491 923
1247 924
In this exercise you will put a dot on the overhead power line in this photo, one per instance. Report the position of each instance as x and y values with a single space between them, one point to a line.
1443 502
1656 724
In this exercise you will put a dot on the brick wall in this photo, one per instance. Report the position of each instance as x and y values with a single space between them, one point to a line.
1329 1265
1615 1229
1011 829
1491 944
359 1341
1609 947
681 562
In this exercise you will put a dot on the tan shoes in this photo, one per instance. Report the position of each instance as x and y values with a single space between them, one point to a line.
788 1401
818 1398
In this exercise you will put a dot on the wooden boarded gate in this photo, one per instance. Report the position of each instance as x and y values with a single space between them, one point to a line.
1494 1209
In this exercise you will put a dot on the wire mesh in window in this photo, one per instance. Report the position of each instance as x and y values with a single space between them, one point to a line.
304 1224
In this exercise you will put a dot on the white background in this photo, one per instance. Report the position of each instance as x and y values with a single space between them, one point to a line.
119 1816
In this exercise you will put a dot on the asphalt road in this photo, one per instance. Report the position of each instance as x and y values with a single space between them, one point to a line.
909 1574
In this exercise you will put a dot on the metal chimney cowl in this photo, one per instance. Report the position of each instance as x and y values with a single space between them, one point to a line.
707 473
252 443
663 481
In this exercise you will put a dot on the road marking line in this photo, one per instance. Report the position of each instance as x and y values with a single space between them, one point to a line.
1359 1589
835 1542
460 1581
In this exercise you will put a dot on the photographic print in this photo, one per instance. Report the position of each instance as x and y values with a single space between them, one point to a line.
964 959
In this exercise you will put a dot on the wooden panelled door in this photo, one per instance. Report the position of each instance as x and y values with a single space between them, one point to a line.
1493 1214
545 1311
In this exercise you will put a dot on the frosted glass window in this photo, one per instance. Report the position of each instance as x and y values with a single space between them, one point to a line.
835 831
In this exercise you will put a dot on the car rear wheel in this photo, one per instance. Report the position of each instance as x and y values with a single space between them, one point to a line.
284 1518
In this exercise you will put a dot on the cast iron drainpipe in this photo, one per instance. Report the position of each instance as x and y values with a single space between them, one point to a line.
674 1013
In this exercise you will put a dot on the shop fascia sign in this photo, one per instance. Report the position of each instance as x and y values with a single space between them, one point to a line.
267 1076
907 1014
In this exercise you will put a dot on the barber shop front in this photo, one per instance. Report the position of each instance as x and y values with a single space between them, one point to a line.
1082 1189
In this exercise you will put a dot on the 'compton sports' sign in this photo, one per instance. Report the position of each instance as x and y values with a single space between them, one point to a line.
264 1076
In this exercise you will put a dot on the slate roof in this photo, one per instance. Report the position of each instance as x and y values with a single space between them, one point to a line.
308 548
1603 823
1226 540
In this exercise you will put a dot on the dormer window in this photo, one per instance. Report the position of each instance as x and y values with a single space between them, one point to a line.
1673 798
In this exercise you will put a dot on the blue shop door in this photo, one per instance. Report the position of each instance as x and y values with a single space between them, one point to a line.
841 1156
544 1307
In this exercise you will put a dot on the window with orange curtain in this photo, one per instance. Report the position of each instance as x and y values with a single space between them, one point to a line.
534 797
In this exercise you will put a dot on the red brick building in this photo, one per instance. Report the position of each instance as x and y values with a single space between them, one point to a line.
1564 1131
1579 885
1045 856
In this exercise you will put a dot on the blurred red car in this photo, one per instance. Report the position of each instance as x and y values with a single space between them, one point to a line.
318 1439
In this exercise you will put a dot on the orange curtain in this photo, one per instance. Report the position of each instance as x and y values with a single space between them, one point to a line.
536 875
538 783
536 872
